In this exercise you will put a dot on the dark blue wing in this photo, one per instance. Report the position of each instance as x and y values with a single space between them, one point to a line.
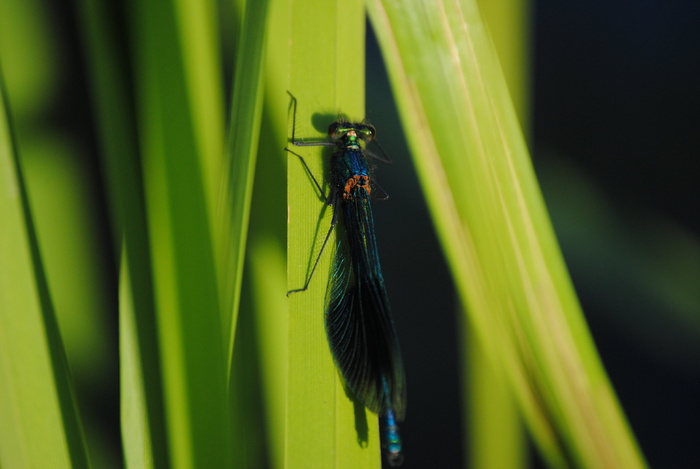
358 322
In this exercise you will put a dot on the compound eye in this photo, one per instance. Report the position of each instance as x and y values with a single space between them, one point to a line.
368 133
337 129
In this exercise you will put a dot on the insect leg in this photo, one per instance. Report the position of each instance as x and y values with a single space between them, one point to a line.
299 143
334 221
313 178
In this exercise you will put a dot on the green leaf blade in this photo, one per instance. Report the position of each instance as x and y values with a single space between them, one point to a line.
327 78
40 426
489 213
178 197
242 152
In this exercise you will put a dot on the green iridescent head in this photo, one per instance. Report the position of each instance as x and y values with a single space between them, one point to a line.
339 129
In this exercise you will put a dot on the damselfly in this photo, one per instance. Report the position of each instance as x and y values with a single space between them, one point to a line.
359 326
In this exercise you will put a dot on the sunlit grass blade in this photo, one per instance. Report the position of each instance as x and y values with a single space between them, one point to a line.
510 26
271 339
321 429
493 424
178 96
261 331
39 425
488 210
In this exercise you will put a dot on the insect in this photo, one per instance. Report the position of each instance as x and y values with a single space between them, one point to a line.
358 321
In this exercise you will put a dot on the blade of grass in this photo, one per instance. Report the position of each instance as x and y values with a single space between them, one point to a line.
141 374
266 267
196 23
242 149
233 229
493 424
177 178
326 76
489 213
509 23
135 413
40 425
494 428
268 283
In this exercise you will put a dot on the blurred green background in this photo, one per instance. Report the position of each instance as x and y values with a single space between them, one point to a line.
614 129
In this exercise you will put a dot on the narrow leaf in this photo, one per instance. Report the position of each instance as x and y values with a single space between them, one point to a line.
327 78
178 151
39 425
477 177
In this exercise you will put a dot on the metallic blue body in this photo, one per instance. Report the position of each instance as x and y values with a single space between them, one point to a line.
359 326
